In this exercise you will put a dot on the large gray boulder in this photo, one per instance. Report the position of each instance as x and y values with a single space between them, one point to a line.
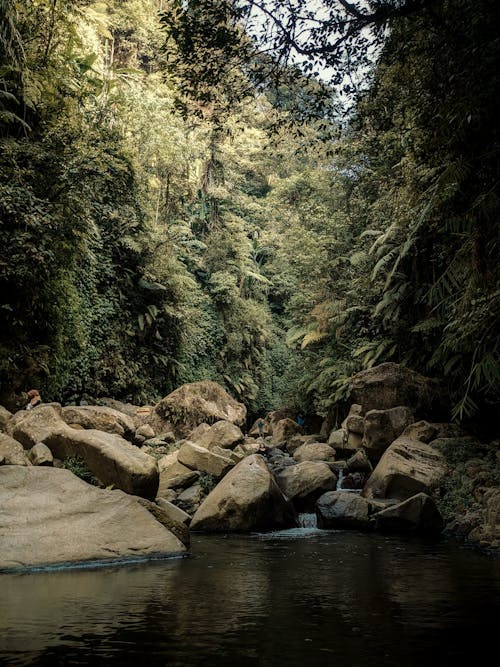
314 451
170 468
303 483
100 418
382 427
416 514
5 415
40 455
111 458
198 402
340 509
407 467
12 452
221 434
246 499
284 430
190 499
195 457
49 516
389 385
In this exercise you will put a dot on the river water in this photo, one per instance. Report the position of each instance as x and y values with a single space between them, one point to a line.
291 598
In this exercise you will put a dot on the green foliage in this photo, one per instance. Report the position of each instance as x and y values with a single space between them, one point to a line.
207 482
78 467
143 248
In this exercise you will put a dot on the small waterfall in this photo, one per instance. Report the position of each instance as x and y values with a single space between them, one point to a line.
340 479
306 520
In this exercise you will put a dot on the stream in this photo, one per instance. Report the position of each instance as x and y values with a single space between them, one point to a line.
295 597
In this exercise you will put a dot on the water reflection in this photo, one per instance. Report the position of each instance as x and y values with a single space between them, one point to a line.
334 598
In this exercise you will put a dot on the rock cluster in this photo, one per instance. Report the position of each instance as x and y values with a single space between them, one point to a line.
185 464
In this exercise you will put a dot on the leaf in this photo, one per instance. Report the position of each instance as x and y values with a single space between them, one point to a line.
313 337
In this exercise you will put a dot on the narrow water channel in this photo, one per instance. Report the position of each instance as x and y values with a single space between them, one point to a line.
295 597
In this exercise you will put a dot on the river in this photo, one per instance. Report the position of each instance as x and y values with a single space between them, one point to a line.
291 598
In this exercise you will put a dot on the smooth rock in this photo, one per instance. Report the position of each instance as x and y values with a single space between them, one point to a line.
12 452
304 482
314 451
40 455
416 514
246 499
339 509
382 427
221 434
195 457
49 516
100 418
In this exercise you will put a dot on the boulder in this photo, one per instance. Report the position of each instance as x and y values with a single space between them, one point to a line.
355 424
198 402
416 514
221 434
297 441
382 427
111 458
359 462
100 418
180 481
231 454
314 451
339 509
303 483
170 468
197 432
174 512
145 433
177 528
140 414
12 452
354 441
246 499
389 385
407 467
5 415
354 480
420 430
272 418
354 411
284 430
40 455
338 439
190 499
49 516
195 457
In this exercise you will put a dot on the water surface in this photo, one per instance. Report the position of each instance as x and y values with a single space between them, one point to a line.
290 598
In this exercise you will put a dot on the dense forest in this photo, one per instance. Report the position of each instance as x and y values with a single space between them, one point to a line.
182 198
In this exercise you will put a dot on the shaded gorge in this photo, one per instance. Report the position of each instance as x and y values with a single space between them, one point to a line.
292 597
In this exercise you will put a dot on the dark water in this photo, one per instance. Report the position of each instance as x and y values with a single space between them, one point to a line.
319 598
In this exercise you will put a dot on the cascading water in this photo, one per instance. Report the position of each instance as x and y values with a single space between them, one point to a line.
340 479
306 520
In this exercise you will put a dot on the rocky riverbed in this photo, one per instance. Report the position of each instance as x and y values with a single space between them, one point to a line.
94 482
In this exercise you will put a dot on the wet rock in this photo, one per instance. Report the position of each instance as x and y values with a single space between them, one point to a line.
303 483
416 514
340 510
359 462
